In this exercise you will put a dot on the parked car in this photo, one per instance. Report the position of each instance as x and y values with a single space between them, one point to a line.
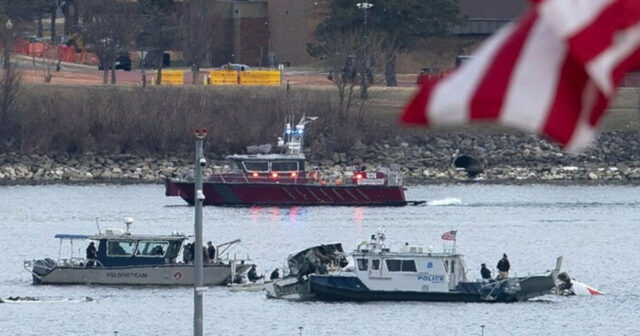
123 61
235 66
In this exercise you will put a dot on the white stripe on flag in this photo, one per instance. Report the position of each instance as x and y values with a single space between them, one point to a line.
601 68
568 17
450 99
534 81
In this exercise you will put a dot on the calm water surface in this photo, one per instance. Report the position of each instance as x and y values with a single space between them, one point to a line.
595 228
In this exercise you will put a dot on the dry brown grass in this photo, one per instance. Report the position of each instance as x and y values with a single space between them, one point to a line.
159 121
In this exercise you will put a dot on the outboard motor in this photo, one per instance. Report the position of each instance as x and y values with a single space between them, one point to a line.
469 164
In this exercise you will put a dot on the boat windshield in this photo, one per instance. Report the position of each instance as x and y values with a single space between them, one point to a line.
152 248
284 166
259 166
121 248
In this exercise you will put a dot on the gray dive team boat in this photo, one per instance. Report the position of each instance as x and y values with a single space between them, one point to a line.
123 258
411 274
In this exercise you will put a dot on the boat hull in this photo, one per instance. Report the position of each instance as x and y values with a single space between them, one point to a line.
249 194
174 275
348 288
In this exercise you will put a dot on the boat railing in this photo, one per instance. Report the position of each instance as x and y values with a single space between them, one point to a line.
79 262
305 179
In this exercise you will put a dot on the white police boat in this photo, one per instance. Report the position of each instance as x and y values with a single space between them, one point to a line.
412 274
123 258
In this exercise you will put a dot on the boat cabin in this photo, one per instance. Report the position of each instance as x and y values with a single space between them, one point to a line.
267 165
118 248
410 269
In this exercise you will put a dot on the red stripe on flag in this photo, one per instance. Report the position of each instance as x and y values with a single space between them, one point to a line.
598 35
416 111
567 104
490 94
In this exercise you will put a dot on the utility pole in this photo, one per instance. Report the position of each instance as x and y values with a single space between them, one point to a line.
365 72
198 289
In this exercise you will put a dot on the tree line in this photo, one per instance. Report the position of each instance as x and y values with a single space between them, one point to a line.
357 40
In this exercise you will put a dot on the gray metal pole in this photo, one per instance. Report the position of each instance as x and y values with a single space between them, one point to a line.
198 289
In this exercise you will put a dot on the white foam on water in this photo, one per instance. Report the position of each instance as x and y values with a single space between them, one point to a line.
445 201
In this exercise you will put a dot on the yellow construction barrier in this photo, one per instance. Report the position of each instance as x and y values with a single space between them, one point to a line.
259 77
170 77
223 77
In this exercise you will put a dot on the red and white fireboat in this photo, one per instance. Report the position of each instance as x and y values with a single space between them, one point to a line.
282 180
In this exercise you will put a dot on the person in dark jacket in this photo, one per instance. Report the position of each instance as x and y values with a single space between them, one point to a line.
275 274
92 254
253 274
485 272
503 267
211 251
186 253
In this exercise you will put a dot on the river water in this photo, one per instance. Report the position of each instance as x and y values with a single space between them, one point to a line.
595 228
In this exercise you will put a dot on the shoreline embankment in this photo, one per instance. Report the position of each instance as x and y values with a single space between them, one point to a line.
102 134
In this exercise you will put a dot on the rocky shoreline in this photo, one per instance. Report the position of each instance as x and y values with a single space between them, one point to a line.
507 158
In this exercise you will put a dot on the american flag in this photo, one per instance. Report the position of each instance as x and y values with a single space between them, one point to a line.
449 235
553 72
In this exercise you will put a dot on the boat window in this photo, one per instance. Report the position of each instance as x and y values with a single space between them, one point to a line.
363 264
446 266
409 266
284 166
393 265
375 264
120 248
235 165
152 248
260 166
453 264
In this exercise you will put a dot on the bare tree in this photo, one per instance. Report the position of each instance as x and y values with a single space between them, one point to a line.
197 22
10 79
106 26
15 15
350 62
158 30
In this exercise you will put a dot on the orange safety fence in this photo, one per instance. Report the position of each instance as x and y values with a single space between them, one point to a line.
223 77
62 52
260 77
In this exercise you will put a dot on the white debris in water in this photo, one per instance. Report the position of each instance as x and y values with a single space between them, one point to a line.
445 201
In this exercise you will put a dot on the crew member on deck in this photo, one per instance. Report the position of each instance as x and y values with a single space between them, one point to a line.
503 267
211 251
485 272
92 254
275 274
253 274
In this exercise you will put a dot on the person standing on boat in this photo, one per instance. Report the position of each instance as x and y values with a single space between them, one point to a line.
275 274
503 267
186 253
253 274
92 254
485 272
211 251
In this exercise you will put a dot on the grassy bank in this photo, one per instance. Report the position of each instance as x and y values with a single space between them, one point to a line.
160 121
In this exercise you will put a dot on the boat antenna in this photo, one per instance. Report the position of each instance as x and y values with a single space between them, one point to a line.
98 224
128 221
